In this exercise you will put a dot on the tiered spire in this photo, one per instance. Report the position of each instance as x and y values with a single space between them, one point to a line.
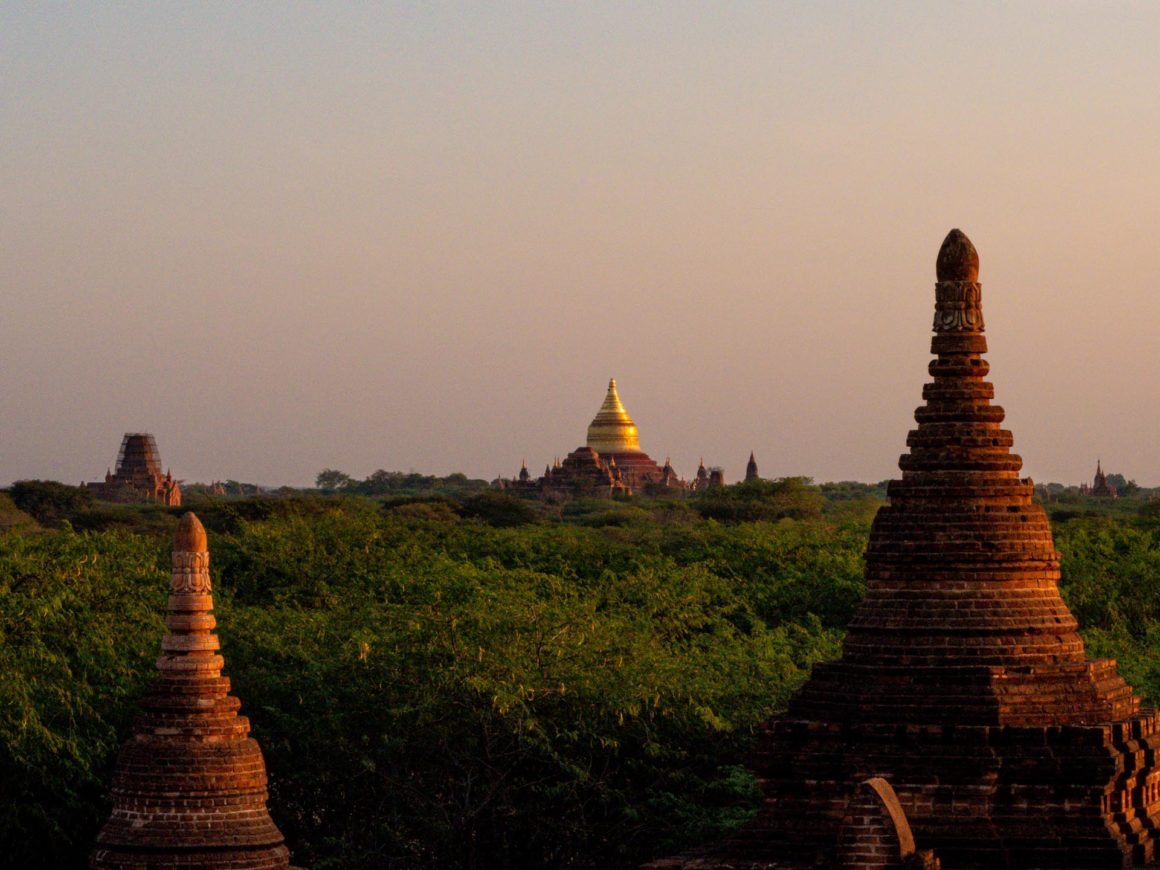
612 430
751 468
962 680
189 788
961 569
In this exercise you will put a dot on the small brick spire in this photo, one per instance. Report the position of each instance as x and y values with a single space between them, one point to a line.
189 789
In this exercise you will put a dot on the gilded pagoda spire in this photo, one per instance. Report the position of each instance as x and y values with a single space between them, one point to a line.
612 430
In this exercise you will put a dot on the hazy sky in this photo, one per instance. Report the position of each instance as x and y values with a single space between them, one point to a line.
284 237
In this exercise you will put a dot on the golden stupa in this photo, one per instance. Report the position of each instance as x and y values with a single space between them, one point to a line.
612 430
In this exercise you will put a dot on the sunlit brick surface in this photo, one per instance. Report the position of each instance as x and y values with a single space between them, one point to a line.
189 789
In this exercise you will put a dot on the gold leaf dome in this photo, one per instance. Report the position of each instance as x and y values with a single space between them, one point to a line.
612 430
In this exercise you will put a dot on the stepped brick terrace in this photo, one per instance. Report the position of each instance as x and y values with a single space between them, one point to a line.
963 682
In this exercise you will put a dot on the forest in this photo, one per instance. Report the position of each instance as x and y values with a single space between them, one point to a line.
450 676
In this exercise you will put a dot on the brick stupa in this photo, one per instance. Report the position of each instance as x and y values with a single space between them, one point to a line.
962 680
189 790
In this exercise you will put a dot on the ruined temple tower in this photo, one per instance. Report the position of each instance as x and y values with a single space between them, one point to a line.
1100 487
751 468
189 789
962 682
138 476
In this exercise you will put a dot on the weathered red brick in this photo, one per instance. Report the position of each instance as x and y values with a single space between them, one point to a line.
189 789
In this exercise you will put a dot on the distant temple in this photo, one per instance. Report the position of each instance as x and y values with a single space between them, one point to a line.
613 436
708 478
751 469
138 477
610 462
1100 487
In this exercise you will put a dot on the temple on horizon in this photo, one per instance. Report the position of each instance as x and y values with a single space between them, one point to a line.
610 462
1100 488
138 477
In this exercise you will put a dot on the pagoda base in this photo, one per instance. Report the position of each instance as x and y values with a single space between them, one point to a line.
1075 796
271 858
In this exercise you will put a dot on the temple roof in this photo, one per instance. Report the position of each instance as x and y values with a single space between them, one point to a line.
612 430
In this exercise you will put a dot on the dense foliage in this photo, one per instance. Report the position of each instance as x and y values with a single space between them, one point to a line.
434 683
472 681
1111 582
385 483
79 621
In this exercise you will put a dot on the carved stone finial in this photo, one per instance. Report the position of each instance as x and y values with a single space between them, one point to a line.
190 537
958 294
957 258
190 559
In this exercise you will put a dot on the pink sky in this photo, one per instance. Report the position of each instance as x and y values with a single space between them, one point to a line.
423 236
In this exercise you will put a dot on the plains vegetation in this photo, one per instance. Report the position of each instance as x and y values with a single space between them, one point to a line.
447 677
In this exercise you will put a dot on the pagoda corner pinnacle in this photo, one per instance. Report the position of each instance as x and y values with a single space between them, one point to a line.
957 258
190 537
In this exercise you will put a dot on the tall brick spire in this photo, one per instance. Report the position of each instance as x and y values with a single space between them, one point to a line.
963 680
189 790
961 569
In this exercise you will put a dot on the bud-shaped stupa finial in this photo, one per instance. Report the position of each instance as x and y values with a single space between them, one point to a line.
957 258
190 537
958 305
